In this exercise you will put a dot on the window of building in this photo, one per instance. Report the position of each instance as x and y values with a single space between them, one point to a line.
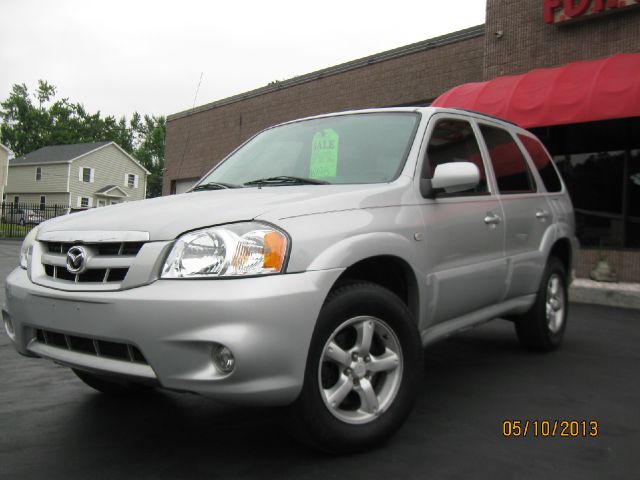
454 141
131 180
38 174
543 163
600 165
43 202
633 234
86 174
102 203
84 202
16 199
509 165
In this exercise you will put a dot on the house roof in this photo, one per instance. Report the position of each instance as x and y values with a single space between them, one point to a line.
57 153
6 149
105 191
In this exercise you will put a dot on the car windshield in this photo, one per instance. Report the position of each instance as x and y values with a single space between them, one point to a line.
356 148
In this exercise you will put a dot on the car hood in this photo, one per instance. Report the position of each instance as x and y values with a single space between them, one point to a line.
165 218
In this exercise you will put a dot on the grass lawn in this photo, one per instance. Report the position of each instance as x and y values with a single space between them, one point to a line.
11 230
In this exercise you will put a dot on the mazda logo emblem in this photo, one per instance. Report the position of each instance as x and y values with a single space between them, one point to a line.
76 260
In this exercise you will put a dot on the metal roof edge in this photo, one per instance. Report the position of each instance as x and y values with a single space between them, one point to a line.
428 44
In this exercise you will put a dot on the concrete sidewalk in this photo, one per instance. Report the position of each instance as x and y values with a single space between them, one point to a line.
624 295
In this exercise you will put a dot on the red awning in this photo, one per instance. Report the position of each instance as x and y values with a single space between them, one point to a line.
574 93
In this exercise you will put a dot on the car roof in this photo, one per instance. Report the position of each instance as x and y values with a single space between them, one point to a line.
416 109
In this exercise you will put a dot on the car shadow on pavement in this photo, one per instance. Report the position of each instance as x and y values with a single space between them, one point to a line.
186 435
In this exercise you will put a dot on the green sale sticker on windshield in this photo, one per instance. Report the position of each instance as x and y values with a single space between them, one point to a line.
324 154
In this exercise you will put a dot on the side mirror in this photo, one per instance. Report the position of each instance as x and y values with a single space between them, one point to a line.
450 178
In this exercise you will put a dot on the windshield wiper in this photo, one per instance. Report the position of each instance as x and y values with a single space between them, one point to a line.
286 179
214 186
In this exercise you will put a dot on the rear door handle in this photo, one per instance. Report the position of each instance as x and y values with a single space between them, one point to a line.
492 219
542 214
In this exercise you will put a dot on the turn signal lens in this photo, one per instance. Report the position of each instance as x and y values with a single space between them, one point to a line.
275 249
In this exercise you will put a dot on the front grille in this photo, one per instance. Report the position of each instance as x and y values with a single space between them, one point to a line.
109 262
108 248
91 346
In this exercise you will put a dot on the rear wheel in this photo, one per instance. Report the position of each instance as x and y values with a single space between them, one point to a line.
542 328
112 386
363 370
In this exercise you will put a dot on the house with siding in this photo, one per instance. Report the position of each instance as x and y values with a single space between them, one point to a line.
5 155
82 175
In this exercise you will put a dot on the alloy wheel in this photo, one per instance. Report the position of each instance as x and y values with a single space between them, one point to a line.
555 304
360 370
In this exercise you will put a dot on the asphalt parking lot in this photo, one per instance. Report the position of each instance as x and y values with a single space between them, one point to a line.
52 426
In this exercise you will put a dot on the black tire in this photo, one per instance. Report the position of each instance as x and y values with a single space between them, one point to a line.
391 322
113 387
22 223
536 330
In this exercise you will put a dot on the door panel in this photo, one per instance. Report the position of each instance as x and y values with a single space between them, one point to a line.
465 255
464 232
526 218
527 212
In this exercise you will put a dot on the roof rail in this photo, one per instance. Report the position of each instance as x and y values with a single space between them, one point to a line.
483 114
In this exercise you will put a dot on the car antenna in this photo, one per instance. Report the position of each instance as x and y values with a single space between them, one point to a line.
186 142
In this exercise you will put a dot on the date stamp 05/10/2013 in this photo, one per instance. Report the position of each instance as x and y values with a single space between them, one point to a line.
550 428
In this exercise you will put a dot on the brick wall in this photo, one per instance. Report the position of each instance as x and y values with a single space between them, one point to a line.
626 263
196 142
529 43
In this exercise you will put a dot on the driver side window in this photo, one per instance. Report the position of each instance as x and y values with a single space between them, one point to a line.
453 140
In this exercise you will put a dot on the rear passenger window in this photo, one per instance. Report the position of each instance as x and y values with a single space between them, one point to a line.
509 165
543 163
454 141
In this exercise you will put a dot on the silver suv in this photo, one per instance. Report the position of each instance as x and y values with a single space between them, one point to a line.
308 269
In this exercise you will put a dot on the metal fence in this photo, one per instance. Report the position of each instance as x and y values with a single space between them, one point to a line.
19 218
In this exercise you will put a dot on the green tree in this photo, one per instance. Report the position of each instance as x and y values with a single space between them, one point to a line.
149 135
32 121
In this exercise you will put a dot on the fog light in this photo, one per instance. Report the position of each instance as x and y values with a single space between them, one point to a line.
8 325
223 359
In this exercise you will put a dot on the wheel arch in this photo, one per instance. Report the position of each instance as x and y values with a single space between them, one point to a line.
562 250
389 271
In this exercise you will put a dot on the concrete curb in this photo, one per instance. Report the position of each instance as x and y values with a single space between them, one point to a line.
624 295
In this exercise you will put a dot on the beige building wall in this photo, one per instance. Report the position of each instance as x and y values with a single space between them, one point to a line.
51 198
22 179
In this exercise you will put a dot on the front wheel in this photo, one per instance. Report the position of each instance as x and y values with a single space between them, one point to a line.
542 328
363 370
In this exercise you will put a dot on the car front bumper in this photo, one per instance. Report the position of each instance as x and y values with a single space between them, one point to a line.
267 322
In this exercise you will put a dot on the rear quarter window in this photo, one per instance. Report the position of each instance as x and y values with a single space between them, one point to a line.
542 163
509 165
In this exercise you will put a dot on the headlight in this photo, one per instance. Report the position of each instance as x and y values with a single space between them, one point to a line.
27 248
228 251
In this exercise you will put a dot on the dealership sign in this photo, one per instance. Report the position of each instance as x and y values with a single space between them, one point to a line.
561 11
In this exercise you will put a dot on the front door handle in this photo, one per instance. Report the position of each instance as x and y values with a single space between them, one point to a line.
542 214
492 219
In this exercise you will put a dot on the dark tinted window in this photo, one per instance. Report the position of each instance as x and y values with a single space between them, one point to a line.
543 163
508 163
454 141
